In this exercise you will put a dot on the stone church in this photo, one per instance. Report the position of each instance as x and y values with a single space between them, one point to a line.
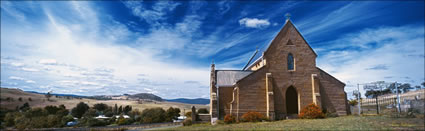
278 84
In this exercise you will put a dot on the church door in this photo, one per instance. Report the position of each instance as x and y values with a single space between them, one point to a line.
291 101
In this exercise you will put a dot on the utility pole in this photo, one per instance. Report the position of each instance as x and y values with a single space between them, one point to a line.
398 98
358 98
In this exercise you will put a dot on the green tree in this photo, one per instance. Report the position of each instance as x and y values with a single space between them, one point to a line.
100 107
203 111
153 115
79 110
24 107
48 95
51 109
90 113
405 87
115 109
120 110
172 114
127 109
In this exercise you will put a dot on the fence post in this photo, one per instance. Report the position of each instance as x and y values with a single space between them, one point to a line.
377 105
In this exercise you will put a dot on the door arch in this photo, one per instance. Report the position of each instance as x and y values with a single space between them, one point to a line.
291 96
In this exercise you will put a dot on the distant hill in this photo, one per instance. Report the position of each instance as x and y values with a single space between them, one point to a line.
71 95
145 96
191 101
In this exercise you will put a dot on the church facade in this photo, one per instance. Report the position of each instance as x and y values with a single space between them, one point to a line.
278 84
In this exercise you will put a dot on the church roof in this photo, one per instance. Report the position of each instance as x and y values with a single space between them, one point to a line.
230 77
287 23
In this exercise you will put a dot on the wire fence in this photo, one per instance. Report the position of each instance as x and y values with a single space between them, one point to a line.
388 103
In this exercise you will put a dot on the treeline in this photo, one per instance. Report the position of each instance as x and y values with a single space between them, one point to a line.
82 115
402 88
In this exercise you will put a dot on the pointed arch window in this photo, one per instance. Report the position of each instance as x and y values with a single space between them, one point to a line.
291 62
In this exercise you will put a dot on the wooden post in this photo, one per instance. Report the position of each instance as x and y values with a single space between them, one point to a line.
377 105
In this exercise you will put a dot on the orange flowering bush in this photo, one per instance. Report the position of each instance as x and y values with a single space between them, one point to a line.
312 111
228 119
252 117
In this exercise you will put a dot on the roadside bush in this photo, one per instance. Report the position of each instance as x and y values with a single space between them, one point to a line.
122 121
9 119
312 111
91 122
67 119
153 115
252 117
203 111
172 114
187 122
188 114
229 119
54 121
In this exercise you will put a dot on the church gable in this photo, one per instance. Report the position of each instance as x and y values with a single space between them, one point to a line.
289 43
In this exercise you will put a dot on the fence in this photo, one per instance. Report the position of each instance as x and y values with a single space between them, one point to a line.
388 103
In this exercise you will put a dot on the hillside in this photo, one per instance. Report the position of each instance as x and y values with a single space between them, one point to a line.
148 96
9 98
201 101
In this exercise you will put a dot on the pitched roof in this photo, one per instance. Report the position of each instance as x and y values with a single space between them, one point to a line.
287 23
330 75
230 77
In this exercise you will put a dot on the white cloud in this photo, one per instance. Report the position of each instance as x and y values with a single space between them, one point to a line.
47 61
30 81
29 69
254 22
386 53
17 64
91 62
16 78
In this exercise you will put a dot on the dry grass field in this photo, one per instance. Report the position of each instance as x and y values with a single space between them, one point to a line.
38 100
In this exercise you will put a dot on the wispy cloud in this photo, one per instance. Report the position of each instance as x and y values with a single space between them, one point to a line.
359 62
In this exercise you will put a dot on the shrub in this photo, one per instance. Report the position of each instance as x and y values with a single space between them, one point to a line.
228 119
312 111
187 122
67 119
203 111
54 121
20 98
29 99
188 114
153 115
172 114
9 119
252 117
352 102
25 107
91 122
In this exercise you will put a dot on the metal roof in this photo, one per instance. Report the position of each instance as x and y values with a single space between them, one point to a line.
230 77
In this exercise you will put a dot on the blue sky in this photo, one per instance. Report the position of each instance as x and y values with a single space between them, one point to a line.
166 47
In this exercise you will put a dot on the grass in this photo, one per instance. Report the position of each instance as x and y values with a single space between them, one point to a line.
338 123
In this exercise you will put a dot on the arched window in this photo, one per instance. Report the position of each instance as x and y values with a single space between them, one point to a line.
291 62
